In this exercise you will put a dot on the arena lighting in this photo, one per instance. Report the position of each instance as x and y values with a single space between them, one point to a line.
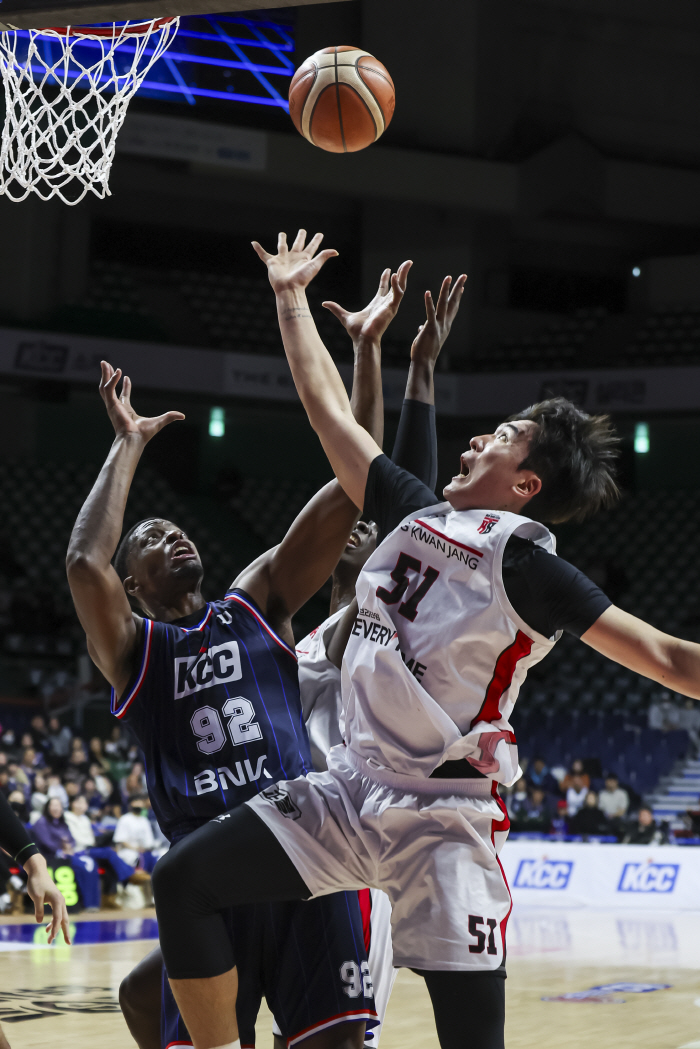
217 422
641 438
199 65
636 272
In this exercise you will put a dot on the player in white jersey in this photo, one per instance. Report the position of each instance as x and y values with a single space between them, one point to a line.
320 653
458 601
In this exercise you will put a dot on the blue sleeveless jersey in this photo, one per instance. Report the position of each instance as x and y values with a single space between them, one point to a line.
215 708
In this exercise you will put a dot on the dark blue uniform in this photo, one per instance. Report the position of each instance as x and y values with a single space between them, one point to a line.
215 707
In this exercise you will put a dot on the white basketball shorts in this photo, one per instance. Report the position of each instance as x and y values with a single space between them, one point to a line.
433 849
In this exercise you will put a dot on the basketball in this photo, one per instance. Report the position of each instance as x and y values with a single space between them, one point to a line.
341 99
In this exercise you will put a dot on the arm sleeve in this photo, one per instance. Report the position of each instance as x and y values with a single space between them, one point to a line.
391 494
13 834
548 593
415 447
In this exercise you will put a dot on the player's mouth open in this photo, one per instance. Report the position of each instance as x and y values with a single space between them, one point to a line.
353 542
182 551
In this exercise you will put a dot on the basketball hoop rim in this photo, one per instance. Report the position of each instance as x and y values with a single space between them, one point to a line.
140 29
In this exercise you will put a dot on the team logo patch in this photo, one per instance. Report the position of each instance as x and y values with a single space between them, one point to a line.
487 524
221 663
648 877
543 874
282 802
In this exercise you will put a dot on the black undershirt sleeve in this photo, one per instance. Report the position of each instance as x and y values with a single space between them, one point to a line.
13 835
548 593
415 447
391 494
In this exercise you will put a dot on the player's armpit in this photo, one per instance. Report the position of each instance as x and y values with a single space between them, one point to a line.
642 648
341 635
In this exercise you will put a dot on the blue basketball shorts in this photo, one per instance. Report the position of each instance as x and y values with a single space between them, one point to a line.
307 958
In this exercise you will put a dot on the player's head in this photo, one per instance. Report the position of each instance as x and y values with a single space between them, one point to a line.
156 561
552 461
361 544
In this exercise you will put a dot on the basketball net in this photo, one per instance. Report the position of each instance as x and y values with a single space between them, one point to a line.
67 91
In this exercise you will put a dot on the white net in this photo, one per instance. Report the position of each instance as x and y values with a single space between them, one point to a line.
66 94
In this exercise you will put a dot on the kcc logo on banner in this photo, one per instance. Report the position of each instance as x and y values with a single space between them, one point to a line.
543 874
648 877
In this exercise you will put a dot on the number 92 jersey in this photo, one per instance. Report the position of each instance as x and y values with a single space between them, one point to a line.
215 708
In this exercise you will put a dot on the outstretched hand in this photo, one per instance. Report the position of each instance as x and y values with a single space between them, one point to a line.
375 318
432 334
295 267
124 418
42 891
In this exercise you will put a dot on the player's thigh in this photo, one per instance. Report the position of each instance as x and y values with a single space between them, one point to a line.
140 1000
469 1008
450 900
317 977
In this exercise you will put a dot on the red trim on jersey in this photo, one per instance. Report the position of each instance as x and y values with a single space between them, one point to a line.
442 535
200 626
501 825
364 897
120 711
172 1045
339 1018
503 677
261 621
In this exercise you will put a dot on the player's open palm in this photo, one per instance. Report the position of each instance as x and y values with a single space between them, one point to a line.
124 418
432 334
375 318
294 268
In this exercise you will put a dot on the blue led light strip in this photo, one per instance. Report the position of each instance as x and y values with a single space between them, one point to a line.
176 73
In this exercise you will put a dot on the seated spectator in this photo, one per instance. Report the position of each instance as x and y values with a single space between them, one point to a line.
39 796
117 747
576 793
31 761
589 819
18 802
134 783
52 835
59 739
614 801
517 800
18 778
103 783
133 837
538 775
92 795
117 870
535 814
55 789
96 754
575 770
40 735
646 831
78 759
8 741
5 781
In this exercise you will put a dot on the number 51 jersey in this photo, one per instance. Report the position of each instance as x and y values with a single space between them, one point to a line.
215 708
438 654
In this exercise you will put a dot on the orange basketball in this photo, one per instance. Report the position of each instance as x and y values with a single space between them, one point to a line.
341 99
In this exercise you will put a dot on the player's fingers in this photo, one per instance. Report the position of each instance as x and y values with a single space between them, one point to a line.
402 274
443 299
39 908
314 244
299 241
321 259
105 372
336 310
281 243
168 417
260 251
456 297
110 386
65 925
126 391
384 281
429 308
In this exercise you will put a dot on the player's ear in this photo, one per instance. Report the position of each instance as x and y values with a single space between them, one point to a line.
528 486
130 586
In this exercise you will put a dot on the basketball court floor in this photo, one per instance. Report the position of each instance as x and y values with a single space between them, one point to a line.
67 996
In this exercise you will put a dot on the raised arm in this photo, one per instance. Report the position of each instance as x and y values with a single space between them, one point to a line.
634 644
282 580
113 630
349 447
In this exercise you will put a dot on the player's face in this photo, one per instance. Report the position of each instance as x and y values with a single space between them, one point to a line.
161 555
360 545
490 477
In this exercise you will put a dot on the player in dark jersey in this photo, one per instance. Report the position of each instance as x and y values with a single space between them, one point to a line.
210 690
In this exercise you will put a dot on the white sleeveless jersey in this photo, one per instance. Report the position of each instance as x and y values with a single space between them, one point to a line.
438 654
319 683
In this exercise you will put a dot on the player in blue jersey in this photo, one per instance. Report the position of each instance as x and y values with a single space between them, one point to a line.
210 690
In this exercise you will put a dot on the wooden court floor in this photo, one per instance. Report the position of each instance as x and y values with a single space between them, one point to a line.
63 996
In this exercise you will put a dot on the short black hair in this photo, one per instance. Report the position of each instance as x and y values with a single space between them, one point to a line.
121 558
574 455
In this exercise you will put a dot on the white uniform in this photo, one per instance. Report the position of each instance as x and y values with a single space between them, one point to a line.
431 673
321 700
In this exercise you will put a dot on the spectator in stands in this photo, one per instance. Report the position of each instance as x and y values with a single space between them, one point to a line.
92 795
539 776
78 760
133 836
18 778
18 803
72 787
589 818
55 789
4 781
103 783
517 799
117 747
40 734
60 738
39 796
613 801
689 719
52 835
576 769
576 793
646 831
663 715
31 761
134 783
116 868
535 814
96 754
7 741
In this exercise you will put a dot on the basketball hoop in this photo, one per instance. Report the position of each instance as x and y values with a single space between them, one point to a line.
67 91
